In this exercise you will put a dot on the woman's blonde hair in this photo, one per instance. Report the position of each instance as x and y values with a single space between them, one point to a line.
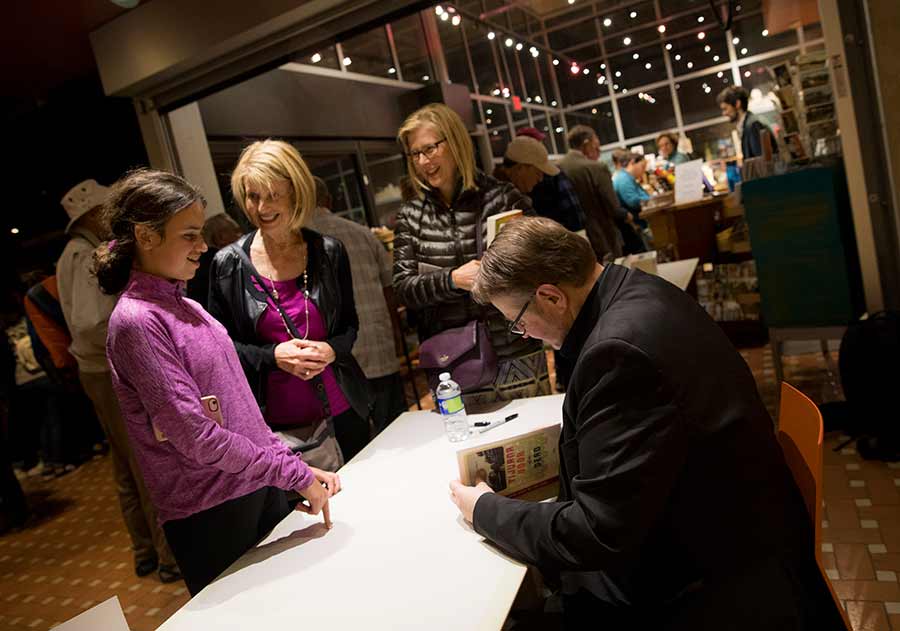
451 128
267 161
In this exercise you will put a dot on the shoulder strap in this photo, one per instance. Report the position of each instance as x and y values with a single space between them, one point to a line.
317 382
48 304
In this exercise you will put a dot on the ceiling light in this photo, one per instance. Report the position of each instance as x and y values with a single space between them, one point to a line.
593 111
574 69
602 66
678 57
736 41
648 65
627 41
559 130
519 46
392 70
15 231
707 89
690 65
668 46
765 32
706 48
535 53
425 77
491 35
316 58
509 42
488 121
556 62
538 99
618 73
615 86
624 90
719 74
632 15
743 51
661 28
496 92
347 61
571 1
747 73
700 19
701 35
445 16
456 20
607 22
552 103
586 71
439 9
488 111
636 56
715 58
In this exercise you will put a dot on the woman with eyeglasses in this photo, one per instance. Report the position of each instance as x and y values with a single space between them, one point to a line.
435 250
285 295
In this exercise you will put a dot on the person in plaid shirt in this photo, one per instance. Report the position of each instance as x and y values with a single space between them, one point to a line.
373 294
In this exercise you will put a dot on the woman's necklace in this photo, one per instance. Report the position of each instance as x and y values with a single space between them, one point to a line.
305 302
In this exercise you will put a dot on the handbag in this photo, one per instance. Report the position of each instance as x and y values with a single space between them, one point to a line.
465 352
317 444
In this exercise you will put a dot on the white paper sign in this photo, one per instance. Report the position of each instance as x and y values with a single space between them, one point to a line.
107 616
688 182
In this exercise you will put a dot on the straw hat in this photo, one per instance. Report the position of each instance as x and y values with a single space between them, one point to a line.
81 198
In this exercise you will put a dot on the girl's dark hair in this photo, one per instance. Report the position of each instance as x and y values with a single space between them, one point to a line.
142 197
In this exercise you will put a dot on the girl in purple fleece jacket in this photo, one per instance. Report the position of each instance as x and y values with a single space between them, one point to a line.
218 489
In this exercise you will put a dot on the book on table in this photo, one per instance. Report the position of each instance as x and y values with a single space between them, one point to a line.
525 466
496 222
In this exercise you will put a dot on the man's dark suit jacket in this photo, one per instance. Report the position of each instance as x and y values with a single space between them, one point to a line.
676 505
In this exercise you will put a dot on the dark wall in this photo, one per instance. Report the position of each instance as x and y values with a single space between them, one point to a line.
285 104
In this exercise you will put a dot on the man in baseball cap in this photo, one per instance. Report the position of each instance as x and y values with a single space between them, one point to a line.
87 310
526 162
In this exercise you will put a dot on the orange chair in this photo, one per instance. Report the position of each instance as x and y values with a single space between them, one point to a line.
800 436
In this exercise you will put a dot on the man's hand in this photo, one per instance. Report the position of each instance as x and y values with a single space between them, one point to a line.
464 276
465 497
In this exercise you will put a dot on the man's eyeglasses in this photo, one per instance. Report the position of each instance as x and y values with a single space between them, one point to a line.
428 151
515 328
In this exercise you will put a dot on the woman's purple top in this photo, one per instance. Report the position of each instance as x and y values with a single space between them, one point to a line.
289 399
166 353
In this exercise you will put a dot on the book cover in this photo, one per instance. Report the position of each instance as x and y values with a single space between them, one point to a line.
517 466
496 222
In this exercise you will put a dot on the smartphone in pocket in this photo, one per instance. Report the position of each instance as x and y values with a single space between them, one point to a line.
211 408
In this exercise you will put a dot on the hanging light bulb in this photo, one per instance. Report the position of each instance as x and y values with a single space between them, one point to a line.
607 22
701 35
455 20
491 35
316 58
661 28
627 41
509 42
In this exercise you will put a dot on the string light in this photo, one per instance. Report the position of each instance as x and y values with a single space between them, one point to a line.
439 9
648 65
509 42
552 103
602 66
636 56
690 65
719 74
743 51
701 35
661 28
736 41
347 61
747 73
491 35
765 32
618 73
607 22
593 111
519 46
669 46
706 48
627 41
392 70
586 71
700 19
316 58
678 57
445 16
556 62
632 15
715 58
425 77
456 20
535 53
574 69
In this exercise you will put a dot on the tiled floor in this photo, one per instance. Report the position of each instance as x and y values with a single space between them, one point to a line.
74 552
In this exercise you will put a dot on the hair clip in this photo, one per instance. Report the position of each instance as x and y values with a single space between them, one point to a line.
111 245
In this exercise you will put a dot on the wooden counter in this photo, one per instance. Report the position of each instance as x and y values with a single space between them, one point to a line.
689 228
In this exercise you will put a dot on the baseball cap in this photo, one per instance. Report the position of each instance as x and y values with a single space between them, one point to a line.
527 150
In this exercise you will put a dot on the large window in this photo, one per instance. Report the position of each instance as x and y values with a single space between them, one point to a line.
599 118
412 51
753 38
639 67
697 97
646 112
369 53
455 53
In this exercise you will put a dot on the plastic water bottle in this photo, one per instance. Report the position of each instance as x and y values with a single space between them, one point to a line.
450 404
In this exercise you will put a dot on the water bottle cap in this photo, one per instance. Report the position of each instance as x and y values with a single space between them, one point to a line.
444 376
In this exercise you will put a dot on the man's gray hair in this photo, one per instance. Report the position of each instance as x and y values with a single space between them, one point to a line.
531 252
579 135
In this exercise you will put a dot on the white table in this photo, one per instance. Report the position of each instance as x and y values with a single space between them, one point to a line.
399 556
